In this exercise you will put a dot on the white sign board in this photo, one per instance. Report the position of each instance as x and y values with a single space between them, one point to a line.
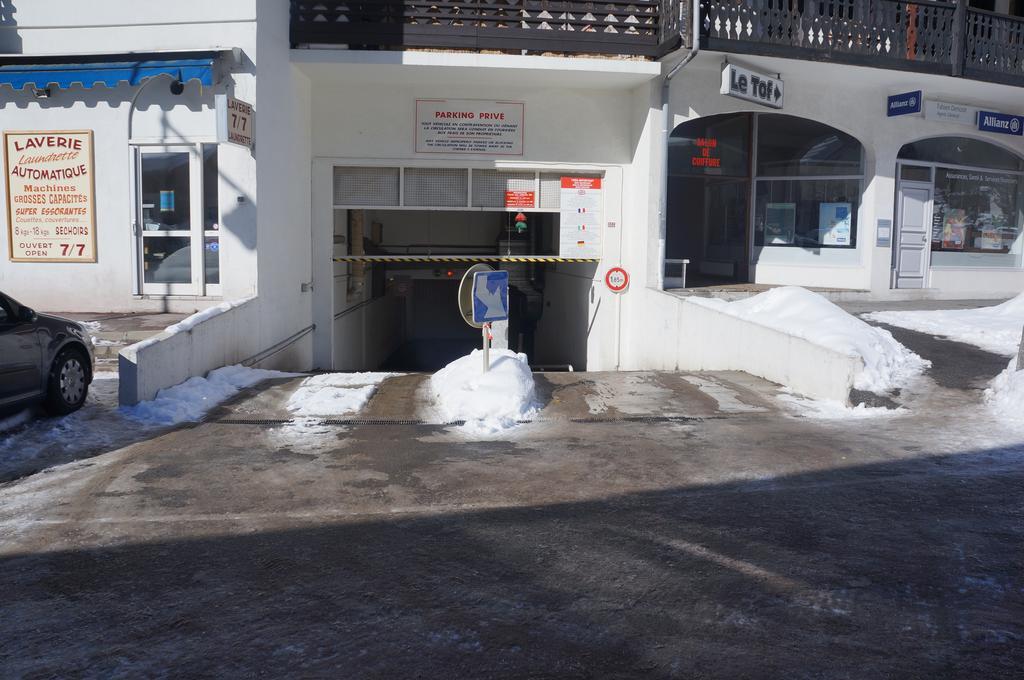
235 121
948 112
51 196
752 86
474 126
580 217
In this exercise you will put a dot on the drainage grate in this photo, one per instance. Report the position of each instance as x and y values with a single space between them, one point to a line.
644 419
329 421
273 422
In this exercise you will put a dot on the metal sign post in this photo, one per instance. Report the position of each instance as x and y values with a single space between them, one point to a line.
486 330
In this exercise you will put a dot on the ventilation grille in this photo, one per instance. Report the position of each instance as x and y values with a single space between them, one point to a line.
489 186
366 186
436 187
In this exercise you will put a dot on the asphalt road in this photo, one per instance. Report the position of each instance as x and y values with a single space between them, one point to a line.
729 540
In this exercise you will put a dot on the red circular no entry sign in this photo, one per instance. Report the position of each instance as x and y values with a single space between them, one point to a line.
617 279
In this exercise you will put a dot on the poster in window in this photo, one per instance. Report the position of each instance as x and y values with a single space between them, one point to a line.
835 224
51 207
780 223
954 228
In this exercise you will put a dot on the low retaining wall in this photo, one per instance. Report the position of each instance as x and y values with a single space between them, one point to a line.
690 337
215 337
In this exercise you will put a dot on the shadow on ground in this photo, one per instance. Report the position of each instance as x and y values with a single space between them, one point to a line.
900 569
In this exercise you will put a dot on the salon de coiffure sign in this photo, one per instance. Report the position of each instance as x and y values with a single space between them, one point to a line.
51 205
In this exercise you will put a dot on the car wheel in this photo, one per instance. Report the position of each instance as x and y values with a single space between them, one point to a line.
68 384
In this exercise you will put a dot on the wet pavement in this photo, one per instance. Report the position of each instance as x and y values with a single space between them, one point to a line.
655 525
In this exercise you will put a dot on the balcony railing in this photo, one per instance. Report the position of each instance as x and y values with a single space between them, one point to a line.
935 37
640 28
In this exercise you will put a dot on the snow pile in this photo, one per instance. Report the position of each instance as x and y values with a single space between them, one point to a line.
799 312
994 329
192 399
488 402
1005 395
826 409
333 394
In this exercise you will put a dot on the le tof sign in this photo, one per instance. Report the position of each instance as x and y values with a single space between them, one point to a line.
752 86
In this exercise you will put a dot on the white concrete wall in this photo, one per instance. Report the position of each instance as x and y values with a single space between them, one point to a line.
283 152
685 336
172 358
369 334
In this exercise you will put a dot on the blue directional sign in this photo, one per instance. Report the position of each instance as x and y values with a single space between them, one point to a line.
490 296
1003 123
902 104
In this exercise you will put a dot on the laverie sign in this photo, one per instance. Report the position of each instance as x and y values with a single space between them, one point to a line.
752 86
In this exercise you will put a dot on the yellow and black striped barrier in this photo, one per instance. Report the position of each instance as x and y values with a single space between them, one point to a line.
462 258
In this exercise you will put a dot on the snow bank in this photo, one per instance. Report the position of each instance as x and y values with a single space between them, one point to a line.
192 399
994 329
334 394
1005 395
807 315
488 402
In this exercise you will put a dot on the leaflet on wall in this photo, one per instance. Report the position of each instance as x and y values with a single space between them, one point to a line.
51 207
469 126
835 224
780 223
580 217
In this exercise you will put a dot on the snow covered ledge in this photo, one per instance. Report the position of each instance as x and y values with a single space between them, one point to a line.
215 337
693 337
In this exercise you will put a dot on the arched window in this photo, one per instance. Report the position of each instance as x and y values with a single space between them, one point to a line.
961 151
805 178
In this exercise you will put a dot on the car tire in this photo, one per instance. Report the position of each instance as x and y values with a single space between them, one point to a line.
68 383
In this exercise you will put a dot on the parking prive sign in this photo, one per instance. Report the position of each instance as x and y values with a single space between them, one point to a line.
752 86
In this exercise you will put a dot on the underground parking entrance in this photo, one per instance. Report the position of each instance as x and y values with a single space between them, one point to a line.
405 237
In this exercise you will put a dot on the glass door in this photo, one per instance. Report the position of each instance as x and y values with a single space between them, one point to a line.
178 220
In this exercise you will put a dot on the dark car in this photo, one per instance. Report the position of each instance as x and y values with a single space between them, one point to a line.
43 359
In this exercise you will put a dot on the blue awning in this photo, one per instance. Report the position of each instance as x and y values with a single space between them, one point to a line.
110 72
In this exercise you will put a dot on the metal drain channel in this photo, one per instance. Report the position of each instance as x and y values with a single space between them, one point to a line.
270 422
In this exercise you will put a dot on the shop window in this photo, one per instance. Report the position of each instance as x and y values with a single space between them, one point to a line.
178 220
712 146
977 212
790 146
807 213
977 201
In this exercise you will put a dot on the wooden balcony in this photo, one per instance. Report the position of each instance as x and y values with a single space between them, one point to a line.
932 37
632 28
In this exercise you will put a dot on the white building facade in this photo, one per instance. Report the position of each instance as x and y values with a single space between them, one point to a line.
390 155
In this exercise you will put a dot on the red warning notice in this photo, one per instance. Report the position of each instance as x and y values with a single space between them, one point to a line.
520 199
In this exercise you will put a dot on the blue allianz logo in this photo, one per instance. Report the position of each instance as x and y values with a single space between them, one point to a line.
1003 123
902 104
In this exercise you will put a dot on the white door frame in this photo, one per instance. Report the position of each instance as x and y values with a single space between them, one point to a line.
898 232
197 286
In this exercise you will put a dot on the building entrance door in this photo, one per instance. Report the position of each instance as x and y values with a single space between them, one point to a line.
913 234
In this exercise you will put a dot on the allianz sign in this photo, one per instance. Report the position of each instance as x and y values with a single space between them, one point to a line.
1003 123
